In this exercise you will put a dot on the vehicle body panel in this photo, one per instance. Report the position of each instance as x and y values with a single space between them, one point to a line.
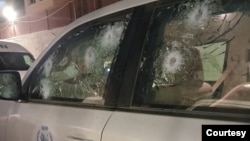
62 123
156 127
7 46
6 110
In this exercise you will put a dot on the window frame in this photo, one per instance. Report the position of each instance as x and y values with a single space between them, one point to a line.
125 100
112 75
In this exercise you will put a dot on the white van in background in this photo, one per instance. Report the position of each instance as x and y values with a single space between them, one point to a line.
13 56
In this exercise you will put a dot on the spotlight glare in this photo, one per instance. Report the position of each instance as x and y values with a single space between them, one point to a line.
9 13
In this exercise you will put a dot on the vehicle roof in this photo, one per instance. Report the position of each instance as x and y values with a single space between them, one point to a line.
115 7
7 46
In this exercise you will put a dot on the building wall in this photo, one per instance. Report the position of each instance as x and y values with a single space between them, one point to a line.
49 14
38 21
38 6
83 7
59 3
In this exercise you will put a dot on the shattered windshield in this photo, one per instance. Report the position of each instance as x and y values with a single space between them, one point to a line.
197 55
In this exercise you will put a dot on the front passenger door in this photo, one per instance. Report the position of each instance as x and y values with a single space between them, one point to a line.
66 89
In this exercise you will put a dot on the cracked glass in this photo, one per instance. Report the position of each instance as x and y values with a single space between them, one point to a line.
196 55
78 67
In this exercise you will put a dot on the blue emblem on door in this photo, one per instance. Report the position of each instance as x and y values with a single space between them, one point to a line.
44 134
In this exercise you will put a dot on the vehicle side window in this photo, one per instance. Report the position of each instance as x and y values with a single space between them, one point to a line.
28 59
15 60
77 69
195 56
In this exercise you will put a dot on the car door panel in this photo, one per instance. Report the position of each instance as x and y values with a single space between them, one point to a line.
6 108
162 105
65 92
130 126
36 121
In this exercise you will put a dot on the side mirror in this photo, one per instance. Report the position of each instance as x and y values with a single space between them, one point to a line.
10 85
